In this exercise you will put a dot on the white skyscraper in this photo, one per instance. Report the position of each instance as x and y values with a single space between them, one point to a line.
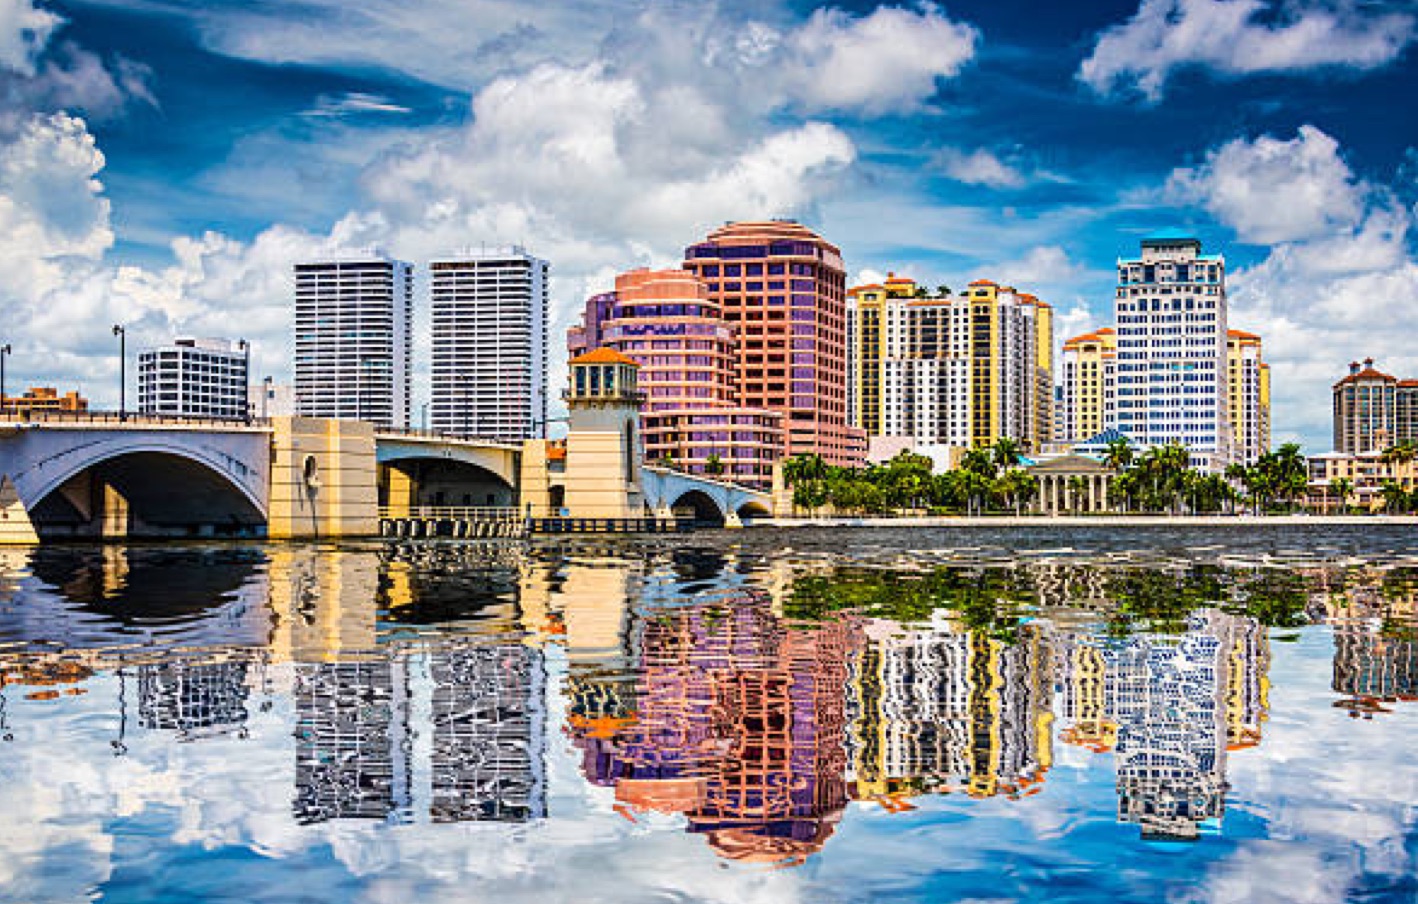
1171 361
490 344
194 378
353 324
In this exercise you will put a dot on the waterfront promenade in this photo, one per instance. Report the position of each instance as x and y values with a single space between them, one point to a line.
1057 521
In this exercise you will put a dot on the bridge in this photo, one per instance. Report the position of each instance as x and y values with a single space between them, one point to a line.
99 476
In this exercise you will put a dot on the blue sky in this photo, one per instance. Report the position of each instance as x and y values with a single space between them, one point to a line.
162 163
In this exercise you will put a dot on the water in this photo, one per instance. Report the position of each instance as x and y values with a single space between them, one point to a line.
800 715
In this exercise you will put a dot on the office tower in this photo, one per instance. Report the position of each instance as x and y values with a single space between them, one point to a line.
490 344
962 370
1086 385
1248 396
1373 410
1171 364
666 322
194 378
783 288
353 328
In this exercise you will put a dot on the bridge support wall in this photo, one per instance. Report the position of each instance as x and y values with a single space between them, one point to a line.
16 529
324 479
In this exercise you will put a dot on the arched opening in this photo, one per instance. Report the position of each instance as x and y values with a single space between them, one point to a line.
751 510
697 505
147 494
558 498
442 483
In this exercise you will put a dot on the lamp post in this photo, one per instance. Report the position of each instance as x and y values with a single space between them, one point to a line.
4 353
122 334
245 377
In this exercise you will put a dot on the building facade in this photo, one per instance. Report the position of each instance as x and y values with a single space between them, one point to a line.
1248 396
782 287
1087 386
42 400
353 329
1373 410
951 370
666 322
195 378
489 313
1171 365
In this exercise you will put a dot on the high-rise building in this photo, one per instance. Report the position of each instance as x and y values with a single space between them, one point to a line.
353 328
194 378
490 344
666 322
1171 363
1248 396
783 288
1373 410
1086 385
960 370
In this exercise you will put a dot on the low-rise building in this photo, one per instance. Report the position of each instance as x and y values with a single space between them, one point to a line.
194 378
1366 472
42 400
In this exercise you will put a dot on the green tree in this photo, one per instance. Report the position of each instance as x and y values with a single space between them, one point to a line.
1118 454
1342 488
714 465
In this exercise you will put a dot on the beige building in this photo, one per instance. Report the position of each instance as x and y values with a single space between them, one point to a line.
1248 395
951 370
1366 472
1086 384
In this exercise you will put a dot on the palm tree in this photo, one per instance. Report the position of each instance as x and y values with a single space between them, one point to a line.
1343 488
1005 453
1118 454
714 465
1396 499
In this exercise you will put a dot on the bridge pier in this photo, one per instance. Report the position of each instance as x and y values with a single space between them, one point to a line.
323 479
16 529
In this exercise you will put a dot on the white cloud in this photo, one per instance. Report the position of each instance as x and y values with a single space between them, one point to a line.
979 167
1237 37
24 32
885 62
353 102
1272 190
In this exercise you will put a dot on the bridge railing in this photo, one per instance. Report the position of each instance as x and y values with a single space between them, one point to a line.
451 513
444 436
113 418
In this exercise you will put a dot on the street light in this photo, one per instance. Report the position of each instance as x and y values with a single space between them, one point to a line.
4 353
122 334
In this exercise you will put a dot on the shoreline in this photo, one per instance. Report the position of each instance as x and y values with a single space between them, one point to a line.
1056 521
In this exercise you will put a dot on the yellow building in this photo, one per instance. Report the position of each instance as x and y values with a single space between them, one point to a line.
1086 385
1248 394
955 370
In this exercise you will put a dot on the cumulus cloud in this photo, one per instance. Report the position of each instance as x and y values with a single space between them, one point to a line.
1275 190
1238 37
1339 270
885 62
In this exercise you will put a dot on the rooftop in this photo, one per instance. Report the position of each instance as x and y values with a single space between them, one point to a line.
604 355
1170 237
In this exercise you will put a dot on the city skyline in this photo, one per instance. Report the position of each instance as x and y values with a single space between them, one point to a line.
165 164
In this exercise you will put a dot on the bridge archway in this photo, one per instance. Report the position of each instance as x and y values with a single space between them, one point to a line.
415 481
754 509
159 491
700 506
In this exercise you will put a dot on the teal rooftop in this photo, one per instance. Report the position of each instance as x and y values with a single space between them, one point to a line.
1170 237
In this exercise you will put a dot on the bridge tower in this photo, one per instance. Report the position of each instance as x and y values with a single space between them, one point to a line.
603 448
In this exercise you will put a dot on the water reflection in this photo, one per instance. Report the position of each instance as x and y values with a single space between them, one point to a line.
758 702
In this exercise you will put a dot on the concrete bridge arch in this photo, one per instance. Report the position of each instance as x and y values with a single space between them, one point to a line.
711 500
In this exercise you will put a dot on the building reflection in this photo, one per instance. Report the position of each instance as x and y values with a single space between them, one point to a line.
193 698
1375 624
943 709
739 725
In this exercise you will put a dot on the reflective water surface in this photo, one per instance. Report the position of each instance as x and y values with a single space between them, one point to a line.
755 716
